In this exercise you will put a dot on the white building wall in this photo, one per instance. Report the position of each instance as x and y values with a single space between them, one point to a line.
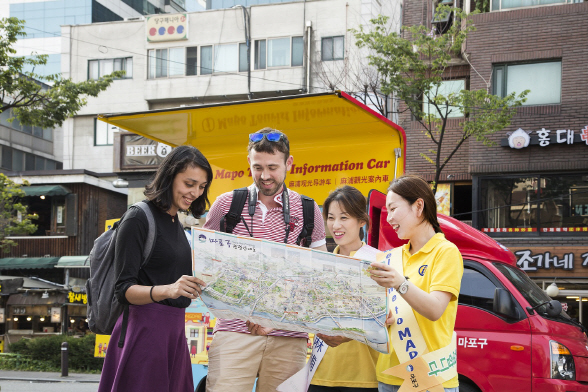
128 39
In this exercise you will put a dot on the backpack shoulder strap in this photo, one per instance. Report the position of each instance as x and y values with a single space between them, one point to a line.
308 221
151 232
233 217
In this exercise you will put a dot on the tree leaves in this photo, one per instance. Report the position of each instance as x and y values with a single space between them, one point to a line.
14 219
43 101
413 67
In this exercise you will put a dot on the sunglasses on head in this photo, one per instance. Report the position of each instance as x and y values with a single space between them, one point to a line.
271 137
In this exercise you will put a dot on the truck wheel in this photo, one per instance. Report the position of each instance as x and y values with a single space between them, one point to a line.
201 387
467 387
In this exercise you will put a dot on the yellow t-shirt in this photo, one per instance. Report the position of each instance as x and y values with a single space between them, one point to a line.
351 364
437 266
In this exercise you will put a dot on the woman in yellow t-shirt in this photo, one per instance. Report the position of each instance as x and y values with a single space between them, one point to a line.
433 268
348 366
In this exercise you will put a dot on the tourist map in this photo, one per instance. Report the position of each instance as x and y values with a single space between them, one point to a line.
289 287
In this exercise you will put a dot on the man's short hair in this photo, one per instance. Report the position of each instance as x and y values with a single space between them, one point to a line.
264 145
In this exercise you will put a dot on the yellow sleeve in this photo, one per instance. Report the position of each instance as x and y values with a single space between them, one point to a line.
447 270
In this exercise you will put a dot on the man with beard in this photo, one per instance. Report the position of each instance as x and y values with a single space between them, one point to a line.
241 351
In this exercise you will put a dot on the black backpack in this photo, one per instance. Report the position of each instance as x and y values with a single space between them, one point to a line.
240 197
103 307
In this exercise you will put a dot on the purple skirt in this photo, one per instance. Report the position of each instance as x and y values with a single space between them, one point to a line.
155 355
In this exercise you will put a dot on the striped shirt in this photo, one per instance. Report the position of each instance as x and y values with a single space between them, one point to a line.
267 224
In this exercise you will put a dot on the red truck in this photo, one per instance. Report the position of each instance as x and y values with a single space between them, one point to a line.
511 335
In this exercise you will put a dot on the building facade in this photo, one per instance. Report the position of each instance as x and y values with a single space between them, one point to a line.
530 190
212 56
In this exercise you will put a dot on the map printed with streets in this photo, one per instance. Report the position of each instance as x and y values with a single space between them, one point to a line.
290 288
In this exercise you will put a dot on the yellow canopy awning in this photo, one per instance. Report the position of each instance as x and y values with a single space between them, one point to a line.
335 140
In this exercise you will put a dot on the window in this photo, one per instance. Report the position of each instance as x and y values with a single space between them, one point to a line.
476 290
191 64
205 60
243 57
543 79
5 116
446 88
103 133
226 58
542 203
260 54
17 161
100 68
279 52
498 5
333 48
177 62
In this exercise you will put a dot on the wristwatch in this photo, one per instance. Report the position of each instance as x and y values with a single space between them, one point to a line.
403 288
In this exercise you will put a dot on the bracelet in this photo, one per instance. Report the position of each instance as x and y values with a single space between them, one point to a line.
151 294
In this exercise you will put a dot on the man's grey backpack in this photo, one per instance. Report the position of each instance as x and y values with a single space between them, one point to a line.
103 307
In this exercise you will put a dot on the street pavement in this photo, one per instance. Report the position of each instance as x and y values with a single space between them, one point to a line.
19 381
28 386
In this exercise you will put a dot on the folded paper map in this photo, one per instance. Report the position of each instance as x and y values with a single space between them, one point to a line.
290 288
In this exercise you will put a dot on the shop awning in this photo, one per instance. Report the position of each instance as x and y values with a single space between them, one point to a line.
37 299
73 262
45 190
28 262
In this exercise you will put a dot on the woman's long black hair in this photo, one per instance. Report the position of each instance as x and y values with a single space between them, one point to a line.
160 191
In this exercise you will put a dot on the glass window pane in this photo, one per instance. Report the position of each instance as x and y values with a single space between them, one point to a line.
278 52
509 203
37 131
100 133
527 3
499 81
338 48
226 58
6 157
476 290
191 64
29 162
27 129
152 63
106 67
118 64
110 135
543 79
446 88
564 202
260 54
17 160
93 70
39 163
177 58
327 49
48 133
297 51
206 60
242 57
50 165
128 67
161 63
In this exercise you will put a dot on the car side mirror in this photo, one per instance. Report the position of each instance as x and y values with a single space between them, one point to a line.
553 308
505 304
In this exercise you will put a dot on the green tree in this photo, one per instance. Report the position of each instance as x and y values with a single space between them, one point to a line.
412 65
34 103
13 214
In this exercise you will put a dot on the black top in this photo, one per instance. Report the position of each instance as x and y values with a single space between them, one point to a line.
171 257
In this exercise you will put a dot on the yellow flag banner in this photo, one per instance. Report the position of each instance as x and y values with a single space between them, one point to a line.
420 369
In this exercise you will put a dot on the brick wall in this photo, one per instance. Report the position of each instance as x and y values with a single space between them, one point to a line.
552 32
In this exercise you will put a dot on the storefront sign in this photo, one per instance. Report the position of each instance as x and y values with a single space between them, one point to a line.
443 198
167 27
539 260
77 298
140 152
544 137
55 315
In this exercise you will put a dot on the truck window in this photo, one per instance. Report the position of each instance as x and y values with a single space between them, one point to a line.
476 290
